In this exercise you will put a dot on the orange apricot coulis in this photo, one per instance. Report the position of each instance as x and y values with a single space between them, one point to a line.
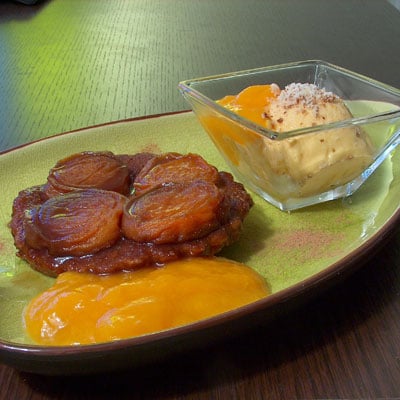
251 103
85 308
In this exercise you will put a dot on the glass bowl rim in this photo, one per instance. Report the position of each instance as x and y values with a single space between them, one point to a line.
186 89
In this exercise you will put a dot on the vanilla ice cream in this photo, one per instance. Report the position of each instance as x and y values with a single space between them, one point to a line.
302 105
315 162
291 168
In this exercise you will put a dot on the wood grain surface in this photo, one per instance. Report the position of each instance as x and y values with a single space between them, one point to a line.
67 64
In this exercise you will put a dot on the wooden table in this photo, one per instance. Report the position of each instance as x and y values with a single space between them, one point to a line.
70 64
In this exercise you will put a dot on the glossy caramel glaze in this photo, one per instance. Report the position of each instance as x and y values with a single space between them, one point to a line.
104 231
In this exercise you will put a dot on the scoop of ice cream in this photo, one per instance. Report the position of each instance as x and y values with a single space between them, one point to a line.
302 105
299 166
315 161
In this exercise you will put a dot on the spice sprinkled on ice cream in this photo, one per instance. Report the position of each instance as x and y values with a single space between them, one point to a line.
302 105
309 164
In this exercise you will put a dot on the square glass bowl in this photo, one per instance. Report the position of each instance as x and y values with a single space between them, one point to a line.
293 169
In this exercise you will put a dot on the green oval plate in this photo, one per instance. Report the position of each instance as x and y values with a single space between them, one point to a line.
298 253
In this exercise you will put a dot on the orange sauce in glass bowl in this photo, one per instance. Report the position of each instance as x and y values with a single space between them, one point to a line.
252 102
85 308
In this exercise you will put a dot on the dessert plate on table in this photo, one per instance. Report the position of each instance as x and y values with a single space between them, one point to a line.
298 253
